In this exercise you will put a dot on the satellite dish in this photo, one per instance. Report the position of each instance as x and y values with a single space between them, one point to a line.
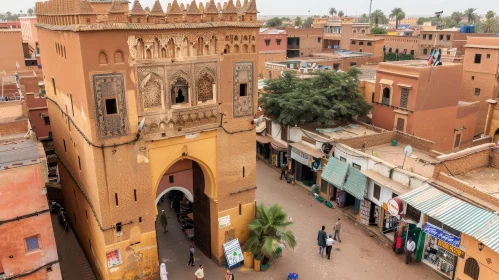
258 121
408 150
142 124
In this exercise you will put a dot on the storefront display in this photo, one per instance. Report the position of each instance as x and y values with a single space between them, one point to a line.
440 259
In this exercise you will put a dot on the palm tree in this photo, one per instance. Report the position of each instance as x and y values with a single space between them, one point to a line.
268 231
490 14
470 14
332 12
378 17
341 13
491 25
397 14
21 12
457 17
30 11
8 14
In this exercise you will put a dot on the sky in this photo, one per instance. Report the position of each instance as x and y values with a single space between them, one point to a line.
301 7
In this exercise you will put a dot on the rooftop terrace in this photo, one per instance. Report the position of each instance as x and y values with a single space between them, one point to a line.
485 178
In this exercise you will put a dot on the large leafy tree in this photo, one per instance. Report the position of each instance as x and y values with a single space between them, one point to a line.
470 15
308 22
378 17
30 11
378 30
490 14
268 231
274 22
324 98
491 24
332 11
398 14
298 21
364 18
341 13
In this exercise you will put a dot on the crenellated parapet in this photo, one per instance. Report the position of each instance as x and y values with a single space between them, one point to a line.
82 12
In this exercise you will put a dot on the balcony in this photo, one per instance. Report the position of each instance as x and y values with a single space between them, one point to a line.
181 121
293 47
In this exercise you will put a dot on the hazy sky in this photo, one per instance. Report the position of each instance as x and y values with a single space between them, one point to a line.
301 7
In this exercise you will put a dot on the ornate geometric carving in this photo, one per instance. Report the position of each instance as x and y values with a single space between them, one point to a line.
108 87
243 80
205 85
152 88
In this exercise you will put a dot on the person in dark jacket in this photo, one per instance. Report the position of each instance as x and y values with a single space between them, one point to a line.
284 167
321 240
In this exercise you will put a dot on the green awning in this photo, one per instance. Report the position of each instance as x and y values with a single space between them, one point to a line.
335 171
356 183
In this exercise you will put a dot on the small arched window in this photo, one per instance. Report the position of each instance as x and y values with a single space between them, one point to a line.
471 268
355 31
102 58
180 91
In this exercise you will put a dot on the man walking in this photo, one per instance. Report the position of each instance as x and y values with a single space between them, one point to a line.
409 250
329 246
191 256
337 229
164 221
284 167
321 240
199 274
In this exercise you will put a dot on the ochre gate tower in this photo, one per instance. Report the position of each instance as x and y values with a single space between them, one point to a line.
190 75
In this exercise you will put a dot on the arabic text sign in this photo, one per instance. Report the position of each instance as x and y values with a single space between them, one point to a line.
442 235
233 252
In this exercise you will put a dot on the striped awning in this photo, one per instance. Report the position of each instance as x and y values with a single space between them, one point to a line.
456 213
356 183
335 171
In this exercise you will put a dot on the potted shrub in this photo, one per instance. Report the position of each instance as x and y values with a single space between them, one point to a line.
267 232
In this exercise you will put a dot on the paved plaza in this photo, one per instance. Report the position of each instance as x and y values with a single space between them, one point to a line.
359 256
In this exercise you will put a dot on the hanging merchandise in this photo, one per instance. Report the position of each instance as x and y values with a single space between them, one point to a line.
441 256
365 209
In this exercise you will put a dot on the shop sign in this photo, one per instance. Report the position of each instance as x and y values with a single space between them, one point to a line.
233 252
385 206
442 235
450 248
300 157
114 258
395 206
224 221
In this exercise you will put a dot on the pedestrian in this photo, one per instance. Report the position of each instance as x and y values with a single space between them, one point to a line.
321 240
229 276
329 246
337 229
284 167
199 274
162 272
164 221
409 250
191 256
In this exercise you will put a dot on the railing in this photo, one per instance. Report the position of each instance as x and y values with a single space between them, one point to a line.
385 101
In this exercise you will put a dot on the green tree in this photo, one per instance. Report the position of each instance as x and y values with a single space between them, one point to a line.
397 14
491 25
308 22
9 14
378 17
269 230
470 14
273 22
285 19
364 18
341 13
378 30
398 56
30 11
324 98
332 12
298 21
457 17
490 15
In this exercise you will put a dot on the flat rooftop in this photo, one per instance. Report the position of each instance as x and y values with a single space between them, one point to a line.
418 162
346 132
486 179
415 63
18 152
339 54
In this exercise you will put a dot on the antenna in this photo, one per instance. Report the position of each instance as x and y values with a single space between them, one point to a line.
407 153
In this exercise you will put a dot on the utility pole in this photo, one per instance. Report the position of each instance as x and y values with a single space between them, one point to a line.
370 6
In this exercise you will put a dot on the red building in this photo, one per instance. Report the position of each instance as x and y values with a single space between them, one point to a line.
28 249
272 44
10 24
424 101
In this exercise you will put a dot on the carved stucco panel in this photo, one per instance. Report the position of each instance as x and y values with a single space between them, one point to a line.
243 74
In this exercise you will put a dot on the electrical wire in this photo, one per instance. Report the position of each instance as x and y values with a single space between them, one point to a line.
33 271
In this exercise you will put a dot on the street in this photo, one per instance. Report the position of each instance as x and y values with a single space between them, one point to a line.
359 256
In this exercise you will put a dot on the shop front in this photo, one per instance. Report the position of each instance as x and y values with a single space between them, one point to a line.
278 153
263 147
441 250
306 161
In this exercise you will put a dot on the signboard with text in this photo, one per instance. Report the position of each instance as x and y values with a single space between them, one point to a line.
456 251
300 156
443 235
233 252
114 258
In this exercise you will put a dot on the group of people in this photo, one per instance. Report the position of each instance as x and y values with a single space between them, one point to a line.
326 243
